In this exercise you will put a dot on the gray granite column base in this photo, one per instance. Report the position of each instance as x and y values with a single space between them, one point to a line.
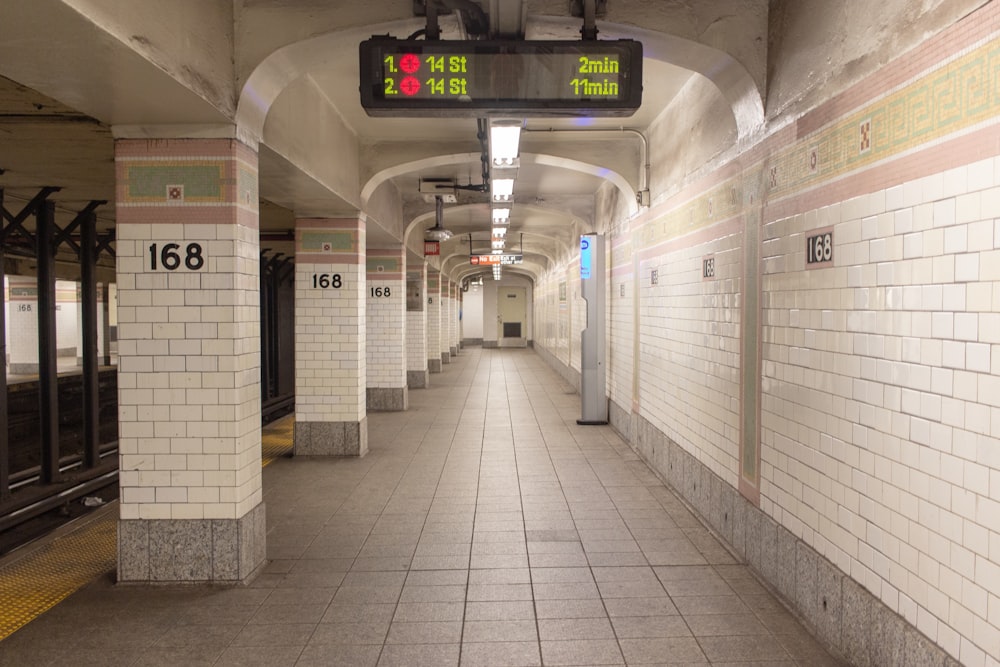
446 357
387 399
331 438
490 344
226 551
434 365
23 369
417 379
454 350
840 612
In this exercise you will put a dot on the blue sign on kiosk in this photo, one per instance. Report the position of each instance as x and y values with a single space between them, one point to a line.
586 258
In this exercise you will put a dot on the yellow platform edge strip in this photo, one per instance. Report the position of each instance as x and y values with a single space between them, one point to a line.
48 574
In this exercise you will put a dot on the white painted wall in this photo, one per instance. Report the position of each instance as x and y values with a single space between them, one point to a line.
490 305
472 312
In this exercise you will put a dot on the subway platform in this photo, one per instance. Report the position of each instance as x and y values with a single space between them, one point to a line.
484 527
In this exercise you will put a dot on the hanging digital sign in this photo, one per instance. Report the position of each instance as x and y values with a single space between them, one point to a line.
464 78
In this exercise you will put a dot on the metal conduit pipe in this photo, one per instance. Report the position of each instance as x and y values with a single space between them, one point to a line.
643 154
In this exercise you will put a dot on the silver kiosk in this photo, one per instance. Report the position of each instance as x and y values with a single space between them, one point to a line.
593 401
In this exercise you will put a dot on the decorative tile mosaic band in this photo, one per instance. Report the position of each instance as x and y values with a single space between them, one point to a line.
329 241
384 264
177 182
22 293
186 181
943 103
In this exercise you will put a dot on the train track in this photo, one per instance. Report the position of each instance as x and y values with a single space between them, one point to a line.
32 509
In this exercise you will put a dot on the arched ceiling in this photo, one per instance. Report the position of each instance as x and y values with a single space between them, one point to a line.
293 87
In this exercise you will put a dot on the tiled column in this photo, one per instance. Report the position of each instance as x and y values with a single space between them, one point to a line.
461 318
445 340
330 360
433 320
417 375
189 361
453 317
103 326
22 319
386 329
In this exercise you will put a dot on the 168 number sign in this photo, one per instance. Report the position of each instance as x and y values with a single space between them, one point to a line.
327 281
169 257
819 248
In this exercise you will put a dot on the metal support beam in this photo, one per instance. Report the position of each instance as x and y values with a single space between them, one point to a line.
48 381
589 29
265 328
104 244
4 440
90 322
16 221
66 235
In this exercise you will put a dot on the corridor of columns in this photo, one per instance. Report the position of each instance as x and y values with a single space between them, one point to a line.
484 527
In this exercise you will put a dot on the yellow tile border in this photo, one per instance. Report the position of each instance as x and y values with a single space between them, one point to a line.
37 578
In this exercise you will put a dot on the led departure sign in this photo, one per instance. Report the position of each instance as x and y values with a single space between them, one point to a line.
463 78
495 260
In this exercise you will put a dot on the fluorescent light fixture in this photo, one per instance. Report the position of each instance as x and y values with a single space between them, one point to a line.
498 251
501 214
503 189
497 244
504 138
499 231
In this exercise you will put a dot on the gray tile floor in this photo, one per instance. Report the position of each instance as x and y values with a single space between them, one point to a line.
483 528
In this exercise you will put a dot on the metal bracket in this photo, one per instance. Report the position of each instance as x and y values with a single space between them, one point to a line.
474 19
589 10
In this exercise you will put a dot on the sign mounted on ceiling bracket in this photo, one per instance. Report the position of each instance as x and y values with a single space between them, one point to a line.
495 260
465 78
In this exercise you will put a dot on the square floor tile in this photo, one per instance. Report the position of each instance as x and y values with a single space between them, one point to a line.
425 632
499 610
654 606
501 654
419 655
706 625
349 633
498 592
647 627
574 628
500 631
582 652
745 648
355 655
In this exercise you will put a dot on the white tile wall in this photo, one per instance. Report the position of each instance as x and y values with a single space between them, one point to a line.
189 373
330 344
416 331
901 381
444 315
22 322
386 332
880 388
621 355
433 306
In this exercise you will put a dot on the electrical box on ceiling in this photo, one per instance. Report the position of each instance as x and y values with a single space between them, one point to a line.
438 187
